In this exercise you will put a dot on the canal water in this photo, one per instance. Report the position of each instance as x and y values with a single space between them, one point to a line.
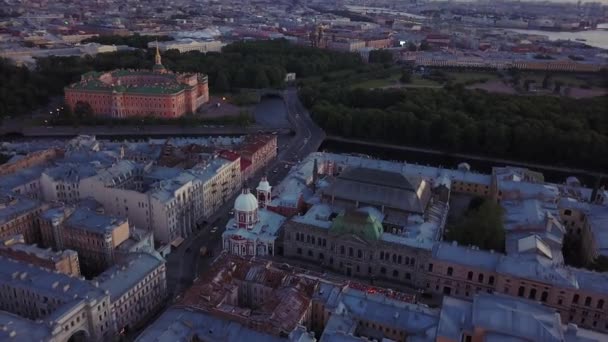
442 160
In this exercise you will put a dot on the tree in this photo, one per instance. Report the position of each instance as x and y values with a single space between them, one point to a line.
481 227
572 249
406 76
558 87
424 45
546 81
83 110
381 56
222 84
261 80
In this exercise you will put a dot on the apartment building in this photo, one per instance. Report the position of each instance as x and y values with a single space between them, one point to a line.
19 215
24 182
221 179
69 307
187 45
256 152
169 202
65 261
31 159
62 183
487 317
137 288
92 235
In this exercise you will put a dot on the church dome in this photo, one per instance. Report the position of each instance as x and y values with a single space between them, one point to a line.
246 202
264 185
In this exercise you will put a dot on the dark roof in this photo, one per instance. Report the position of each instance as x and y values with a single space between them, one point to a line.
379 177
380 188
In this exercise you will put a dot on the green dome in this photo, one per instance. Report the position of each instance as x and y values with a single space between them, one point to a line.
358 223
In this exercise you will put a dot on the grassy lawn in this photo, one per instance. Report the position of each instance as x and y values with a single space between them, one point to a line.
394 82
464 77
378 83
419 81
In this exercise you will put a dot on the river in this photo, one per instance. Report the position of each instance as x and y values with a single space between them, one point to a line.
596 38
445 161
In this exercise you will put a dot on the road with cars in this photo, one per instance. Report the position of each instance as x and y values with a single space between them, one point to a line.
185 262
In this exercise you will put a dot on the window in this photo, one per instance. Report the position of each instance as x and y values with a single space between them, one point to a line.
383 270
588 301
470 275
532 294
395 273
321 256
399 259
430 267
350 251
543 296
341 249
394 258
359 254
299 250
521 291
575 299
480 278
408 276
491 281
600 304
309 253
450 271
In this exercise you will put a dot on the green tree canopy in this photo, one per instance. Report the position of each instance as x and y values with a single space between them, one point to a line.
481 226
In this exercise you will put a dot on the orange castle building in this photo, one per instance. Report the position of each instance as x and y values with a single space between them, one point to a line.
125 93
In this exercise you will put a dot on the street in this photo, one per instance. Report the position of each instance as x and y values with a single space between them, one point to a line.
184 263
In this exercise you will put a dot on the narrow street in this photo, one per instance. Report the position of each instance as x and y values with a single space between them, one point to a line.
185 263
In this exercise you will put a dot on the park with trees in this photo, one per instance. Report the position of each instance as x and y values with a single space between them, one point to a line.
555 130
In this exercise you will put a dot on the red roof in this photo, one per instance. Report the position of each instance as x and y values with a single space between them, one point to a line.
245 163
230 155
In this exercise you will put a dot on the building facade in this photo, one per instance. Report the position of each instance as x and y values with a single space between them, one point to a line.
93 236
71 307
19 216
254 230
257 151
32 159
137 288
188 45
126 93
65 261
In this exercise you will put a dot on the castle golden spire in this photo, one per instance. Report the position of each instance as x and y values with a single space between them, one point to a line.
157 58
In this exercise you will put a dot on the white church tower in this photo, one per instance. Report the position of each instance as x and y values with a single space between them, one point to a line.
264 193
